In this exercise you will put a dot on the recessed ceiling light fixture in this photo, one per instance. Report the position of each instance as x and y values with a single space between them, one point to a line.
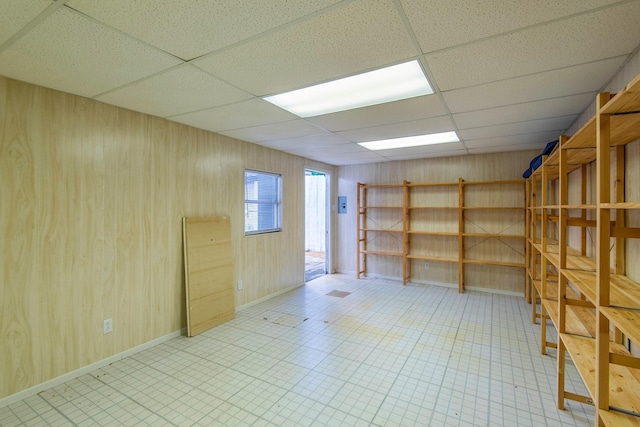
411 141
388 84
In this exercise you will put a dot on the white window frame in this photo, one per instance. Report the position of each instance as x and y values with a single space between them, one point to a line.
276 203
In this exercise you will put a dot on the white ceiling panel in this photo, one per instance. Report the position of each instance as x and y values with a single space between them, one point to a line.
506 149
282 130
16 14
429 155
61 53
189 29
535 139
527 111
343 41
587 78
244 114
562 43
391 112
417 152
433 21
556 123
348 158
176 91
320 141
397 130
507 74
334 150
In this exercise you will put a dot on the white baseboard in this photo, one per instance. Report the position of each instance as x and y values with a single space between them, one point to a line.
268 297
11 399
451 285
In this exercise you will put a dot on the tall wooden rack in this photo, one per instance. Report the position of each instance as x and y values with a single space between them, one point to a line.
442 222
584 289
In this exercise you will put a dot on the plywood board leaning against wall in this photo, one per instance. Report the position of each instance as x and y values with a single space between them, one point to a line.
208 272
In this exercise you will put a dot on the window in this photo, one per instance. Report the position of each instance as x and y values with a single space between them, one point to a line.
262 202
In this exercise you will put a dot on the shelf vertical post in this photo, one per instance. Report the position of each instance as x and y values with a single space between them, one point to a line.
563 196
603 239
460 235
406 263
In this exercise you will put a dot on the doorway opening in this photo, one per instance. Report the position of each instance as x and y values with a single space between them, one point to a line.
316 224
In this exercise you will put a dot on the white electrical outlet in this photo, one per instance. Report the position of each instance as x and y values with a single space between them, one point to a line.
426 265
239 285
107 326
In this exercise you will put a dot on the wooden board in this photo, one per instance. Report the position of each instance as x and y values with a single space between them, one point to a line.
208 272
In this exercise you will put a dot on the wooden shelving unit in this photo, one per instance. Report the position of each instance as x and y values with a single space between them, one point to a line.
447 222
584 288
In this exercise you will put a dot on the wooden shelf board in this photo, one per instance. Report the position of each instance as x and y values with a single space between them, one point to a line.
434 233
626 100
582 351
383 186
505 236
581 206
493 208
628 321
382 207
618 419
493 262
433 207
620 205
574 261
624 390
507 181
624 129
435 184
624 292
398 254
380 230
578 320
432 258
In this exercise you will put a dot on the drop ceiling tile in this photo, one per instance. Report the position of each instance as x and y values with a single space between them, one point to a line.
433 21
176 91
316 142
391 112
244 114
273 131
537 139
18 13
587 78
347 158
332 150
429 155
359 36
507 149
189 29
526 111
576 40
398 130
417 152
72 53
556 123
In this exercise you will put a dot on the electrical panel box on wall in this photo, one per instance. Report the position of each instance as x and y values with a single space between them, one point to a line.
342 204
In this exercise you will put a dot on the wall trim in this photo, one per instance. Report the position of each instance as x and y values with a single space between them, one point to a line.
268 297
54 382
449 285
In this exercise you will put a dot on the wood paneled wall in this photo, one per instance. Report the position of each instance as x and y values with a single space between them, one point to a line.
481 167
91 202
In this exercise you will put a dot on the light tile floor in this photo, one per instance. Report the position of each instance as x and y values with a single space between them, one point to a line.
385 355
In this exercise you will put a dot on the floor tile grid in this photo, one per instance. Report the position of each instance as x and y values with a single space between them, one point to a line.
228 413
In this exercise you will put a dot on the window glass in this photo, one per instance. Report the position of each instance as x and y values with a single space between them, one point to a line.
262 202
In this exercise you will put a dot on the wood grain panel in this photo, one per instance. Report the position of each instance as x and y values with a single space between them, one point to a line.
208 272
91 205
484 167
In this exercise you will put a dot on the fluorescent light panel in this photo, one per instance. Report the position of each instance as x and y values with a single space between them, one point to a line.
388 84
411 141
